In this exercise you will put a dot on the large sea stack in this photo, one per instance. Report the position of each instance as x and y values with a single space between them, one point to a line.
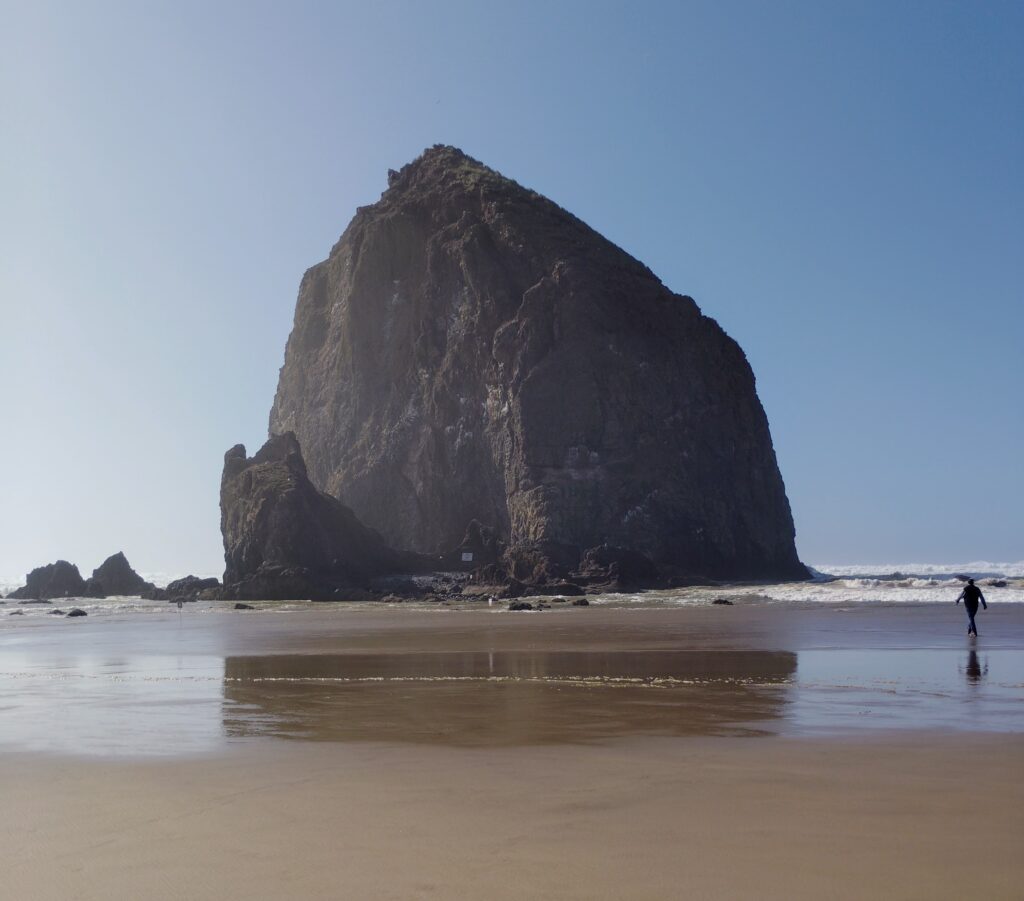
471 351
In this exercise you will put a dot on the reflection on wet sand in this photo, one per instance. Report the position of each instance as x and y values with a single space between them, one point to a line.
506 697
974 670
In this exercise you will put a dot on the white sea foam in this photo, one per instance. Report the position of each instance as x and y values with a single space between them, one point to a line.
977 569
913 583
9 584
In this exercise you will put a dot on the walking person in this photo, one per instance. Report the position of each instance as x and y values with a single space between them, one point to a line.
970 596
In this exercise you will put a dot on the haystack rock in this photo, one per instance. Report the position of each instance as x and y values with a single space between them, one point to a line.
470 351
115 577
285 539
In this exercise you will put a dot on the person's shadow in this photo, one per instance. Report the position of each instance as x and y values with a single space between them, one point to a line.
975 672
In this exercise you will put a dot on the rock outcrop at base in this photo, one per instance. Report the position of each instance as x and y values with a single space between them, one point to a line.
470 351
55 580
284 539
114 577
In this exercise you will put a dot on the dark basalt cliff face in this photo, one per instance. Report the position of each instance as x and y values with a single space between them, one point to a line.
285 539
471 351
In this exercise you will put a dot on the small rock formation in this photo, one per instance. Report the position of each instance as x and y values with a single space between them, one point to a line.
77 612
470 351
285 539
191 585
616 568
114 577
187 588
55 580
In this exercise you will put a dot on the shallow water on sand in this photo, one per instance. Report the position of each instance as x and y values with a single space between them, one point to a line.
169 686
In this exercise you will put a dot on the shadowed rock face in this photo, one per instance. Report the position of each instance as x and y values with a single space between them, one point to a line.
471 351
285 539
115 577
55 580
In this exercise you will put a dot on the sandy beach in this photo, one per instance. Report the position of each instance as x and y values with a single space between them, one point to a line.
363 752
726 818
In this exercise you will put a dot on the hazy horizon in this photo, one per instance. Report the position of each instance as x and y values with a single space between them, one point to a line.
840 187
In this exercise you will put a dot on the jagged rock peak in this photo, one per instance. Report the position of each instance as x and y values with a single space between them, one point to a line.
445 167
444 178
285 539
115 577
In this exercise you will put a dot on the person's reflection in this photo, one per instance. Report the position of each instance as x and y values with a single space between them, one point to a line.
974 670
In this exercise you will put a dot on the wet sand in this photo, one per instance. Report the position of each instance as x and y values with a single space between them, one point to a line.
361 752
164 684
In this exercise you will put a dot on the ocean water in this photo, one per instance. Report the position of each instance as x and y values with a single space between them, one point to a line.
905 583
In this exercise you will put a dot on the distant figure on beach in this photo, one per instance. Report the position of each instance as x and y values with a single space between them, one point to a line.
970 596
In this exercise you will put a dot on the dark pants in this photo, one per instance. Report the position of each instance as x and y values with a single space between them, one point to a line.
972 611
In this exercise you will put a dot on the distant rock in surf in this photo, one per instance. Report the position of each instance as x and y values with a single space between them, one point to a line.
187 588
114 577
470 351
55 580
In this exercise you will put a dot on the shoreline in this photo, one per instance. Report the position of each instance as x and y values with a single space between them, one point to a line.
166 683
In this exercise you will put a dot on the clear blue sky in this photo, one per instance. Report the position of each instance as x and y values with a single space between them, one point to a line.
839 184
